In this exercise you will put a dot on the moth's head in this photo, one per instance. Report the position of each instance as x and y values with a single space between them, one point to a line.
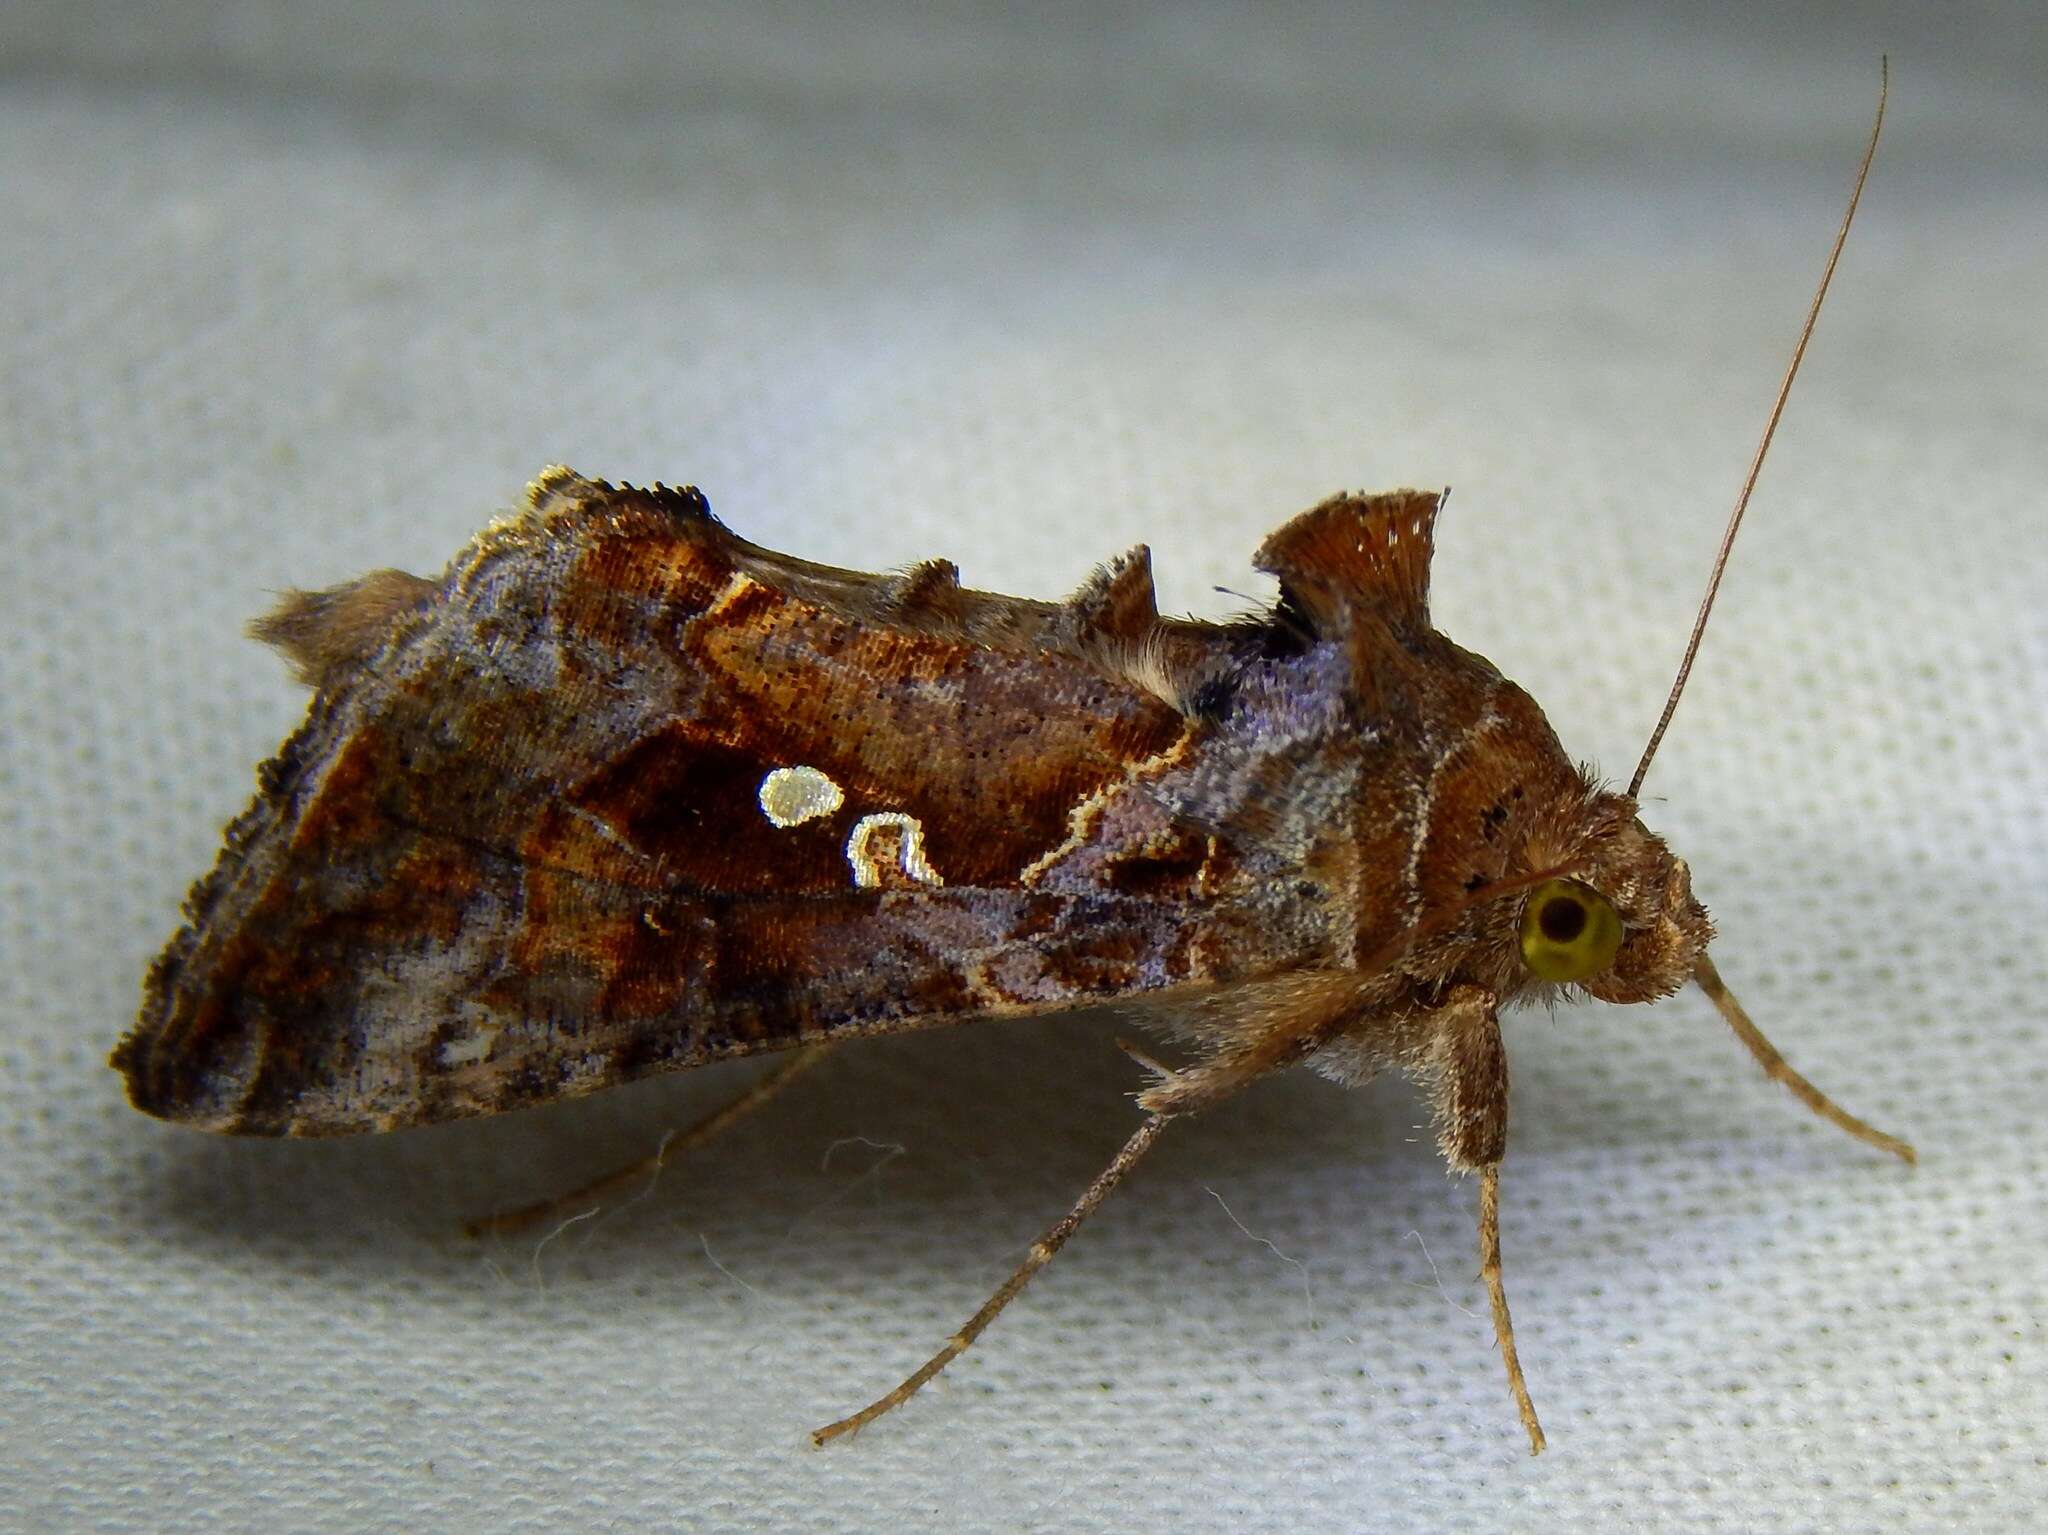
1624 926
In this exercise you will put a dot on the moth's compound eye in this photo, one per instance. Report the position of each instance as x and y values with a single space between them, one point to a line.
1569 931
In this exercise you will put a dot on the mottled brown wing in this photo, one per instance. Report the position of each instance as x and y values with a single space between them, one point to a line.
623 793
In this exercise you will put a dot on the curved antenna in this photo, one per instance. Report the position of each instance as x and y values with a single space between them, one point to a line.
1699 626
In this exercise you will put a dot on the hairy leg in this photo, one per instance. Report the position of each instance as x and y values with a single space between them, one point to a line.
1467 1068
1038 1257
677 1143
1496 1292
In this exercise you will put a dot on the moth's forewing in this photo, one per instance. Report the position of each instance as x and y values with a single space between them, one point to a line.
523 846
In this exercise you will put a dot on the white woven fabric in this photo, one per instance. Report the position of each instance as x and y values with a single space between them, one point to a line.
294 292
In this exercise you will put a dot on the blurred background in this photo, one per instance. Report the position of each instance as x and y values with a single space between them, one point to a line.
294 292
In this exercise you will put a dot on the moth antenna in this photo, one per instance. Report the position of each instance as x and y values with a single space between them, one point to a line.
1756 464
1272 612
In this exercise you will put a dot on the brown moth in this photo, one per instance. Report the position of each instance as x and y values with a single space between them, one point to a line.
621 793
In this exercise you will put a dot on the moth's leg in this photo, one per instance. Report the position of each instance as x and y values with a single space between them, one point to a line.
1780 1070
1040 1255
1272 1024
1268 1024
1467 1067
705 1130
1496 1292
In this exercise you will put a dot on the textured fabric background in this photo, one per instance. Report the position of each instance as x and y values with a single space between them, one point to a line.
292 292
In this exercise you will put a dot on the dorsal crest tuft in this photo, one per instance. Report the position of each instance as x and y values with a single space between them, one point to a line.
1358 551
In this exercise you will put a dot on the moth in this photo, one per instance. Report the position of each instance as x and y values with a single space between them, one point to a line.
622 793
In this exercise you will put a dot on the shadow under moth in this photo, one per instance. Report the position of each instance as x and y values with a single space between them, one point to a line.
621 793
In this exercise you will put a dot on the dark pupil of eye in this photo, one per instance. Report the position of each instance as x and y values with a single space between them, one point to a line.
1562 920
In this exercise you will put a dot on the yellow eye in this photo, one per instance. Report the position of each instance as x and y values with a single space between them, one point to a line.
1569 931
